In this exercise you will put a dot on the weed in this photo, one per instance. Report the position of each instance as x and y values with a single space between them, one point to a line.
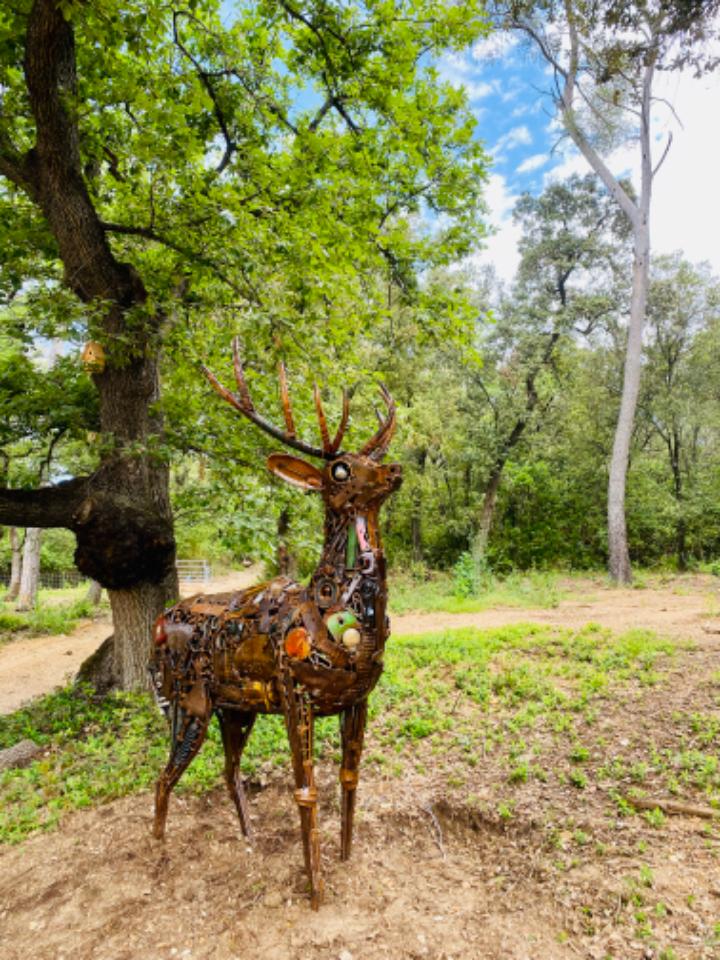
469 589
656 818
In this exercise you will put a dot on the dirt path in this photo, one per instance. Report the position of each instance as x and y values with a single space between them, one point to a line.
687 611
29 668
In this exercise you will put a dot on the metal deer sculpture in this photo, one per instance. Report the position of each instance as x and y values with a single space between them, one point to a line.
281 647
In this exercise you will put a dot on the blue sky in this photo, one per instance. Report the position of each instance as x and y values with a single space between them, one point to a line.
507 89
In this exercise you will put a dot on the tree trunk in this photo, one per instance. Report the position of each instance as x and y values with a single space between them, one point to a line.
681 544
134 612
416 526
124 524
487 514
94 592
618 554
15 565
127 396
29 578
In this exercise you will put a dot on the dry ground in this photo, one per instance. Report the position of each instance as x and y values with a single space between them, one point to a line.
440 869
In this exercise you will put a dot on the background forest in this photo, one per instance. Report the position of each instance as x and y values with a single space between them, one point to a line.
306 176
505 426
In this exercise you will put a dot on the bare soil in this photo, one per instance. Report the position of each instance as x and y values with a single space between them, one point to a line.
438 870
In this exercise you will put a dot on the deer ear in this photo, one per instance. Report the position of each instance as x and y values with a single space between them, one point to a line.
295 471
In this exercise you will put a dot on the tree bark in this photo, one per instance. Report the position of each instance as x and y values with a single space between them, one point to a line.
286 562
121 515
15 564
30 576
487 513
618 553
416 533
94 592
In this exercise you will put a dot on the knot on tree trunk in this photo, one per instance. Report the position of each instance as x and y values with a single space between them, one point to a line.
121 544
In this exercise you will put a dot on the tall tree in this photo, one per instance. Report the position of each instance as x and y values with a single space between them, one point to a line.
605 59
160 162
570 242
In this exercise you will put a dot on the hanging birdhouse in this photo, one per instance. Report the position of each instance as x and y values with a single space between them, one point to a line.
93 357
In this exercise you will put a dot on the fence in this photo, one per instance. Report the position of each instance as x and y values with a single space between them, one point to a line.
188 570
194 570
52 579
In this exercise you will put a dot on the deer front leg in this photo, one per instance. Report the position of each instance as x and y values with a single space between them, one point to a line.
352 734
299 721
192 733
235 727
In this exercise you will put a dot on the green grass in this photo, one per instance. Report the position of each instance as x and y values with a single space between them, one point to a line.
57 611
445 699
439 591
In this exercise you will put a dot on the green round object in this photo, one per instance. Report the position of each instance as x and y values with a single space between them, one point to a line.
338 623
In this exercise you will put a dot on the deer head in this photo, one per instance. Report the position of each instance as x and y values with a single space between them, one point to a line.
349 482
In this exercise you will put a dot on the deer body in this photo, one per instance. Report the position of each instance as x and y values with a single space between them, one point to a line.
284 648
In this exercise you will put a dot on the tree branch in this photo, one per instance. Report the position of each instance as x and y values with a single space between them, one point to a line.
46 507
204 78
90 268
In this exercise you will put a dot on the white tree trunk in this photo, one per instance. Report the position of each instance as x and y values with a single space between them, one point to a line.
15 564
94 593
618 555
29 578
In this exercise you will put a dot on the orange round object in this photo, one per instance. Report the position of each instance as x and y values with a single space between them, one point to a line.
297 643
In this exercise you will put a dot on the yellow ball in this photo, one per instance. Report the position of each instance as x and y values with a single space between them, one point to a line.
351 638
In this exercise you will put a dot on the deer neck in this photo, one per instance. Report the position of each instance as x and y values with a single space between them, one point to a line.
353 558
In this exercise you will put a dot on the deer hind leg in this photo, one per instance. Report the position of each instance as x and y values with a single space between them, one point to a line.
299 721
235 727
352 734
191 734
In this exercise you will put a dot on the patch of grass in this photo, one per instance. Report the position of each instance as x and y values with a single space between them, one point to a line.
100 749
51 615
433 591
446 699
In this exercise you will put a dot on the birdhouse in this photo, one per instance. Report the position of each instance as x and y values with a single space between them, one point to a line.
93 357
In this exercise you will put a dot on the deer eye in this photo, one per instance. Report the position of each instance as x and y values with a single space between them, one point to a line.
340 471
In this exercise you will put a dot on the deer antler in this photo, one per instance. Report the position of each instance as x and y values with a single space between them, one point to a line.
242 401
377 446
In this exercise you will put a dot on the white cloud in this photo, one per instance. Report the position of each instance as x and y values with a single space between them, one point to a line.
533 162
501 250
495 46
517 137
686 201
459 71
